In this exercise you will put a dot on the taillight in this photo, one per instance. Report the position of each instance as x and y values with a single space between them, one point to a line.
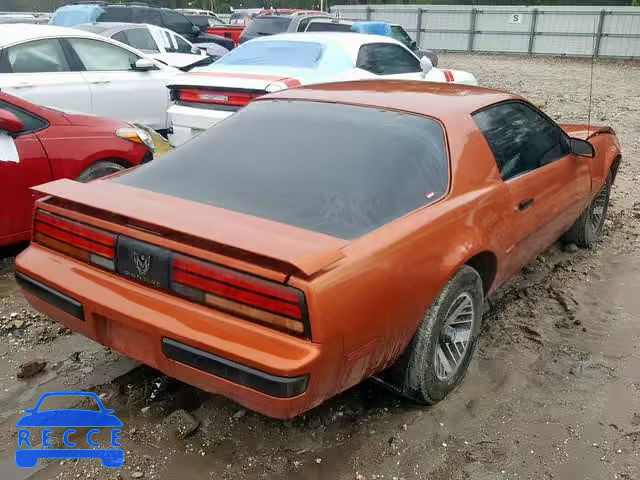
233 99
75 239
276 305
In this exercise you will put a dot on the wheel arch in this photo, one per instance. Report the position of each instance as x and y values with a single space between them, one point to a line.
615 165
486 264
120 161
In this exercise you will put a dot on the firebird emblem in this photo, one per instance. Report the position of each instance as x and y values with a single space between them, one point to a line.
142 263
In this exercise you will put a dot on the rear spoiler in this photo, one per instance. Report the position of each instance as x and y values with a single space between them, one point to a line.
306 251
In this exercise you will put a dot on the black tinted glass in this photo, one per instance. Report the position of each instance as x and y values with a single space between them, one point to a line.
520 138
387 59
328 27
177 22
341 170
267 26
117 14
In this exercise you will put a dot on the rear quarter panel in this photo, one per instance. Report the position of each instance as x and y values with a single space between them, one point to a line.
376 297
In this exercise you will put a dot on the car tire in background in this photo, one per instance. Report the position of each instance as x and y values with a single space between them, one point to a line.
99 169
588 227
455 314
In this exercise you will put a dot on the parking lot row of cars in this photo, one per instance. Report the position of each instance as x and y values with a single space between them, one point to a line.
109 61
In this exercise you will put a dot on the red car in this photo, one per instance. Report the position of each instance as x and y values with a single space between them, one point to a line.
38 144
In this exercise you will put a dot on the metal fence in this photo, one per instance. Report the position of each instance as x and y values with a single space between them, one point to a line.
571 31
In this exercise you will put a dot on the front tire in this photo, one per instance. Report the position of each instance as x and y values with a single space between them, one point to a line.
588 227
439 355
99 169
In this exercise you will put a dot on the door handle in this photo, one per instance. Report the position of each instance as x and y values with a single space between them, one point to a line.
525 204
100 82
24 85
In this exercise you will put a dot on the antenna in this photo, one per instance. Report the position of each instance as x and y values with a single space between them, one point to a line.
596 27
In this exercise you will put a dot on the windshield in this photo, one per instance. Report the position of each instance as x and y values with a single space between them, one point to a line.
267 26
275 53
342 170
76 15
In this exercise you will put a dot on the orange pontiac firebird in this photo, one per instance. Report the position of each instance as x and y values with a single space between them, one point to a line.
318 237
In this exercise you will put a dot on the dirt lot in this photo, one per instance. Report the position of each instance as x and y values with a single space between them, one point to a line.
554 392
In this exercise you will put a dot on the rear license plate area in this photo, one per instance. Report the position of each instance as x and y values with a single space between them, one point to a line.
143 262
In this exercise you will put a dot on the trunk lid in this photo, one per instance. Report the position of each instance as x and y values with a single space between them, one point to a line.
227 80
236 239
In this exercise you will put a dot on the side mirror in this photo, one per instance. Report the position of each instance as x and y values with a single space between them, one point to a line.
426 65
195 30
144 65
10 123
581 148
413 45
196 51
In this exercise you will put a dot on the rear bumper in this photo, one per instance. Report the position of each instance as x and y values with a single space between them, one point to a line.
188 122
267 371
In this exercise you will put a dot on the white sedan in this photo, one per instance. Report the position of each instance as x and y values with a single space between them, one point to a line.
78 71
209 94
160 43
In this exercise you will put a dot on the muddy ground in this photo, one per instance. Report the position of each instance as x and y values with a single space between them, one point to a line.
554 391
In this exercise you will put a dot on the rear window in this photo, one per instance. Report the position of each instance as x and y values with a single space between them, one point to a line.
328 27
341 170
267 26
275 53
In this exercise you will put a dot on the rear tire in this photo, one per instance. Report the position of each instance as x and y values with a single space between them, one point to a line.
99 169
437 359
588 227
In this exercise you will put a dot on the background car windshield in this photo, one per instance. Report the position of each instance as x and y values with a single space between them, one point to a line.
267 26
342 170
276 53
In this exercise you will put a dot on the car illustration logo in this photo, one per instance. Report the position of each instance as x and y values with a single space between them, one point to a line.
142 263
33 446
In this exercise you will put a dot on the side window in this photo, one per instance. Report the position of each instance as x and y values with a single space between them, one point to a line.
302 26
520 138
31 122
176 22
399 34
36 57
386 59
141 39
119 36
146 15
97 56
183 45
169 42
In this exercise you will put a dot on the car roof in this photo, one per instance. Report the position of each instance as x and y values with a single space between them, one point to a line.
346 39
437 100
111 27
17 33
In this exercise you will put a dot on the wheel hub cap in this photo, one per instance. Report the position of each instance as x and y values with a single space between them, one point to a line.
454 337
